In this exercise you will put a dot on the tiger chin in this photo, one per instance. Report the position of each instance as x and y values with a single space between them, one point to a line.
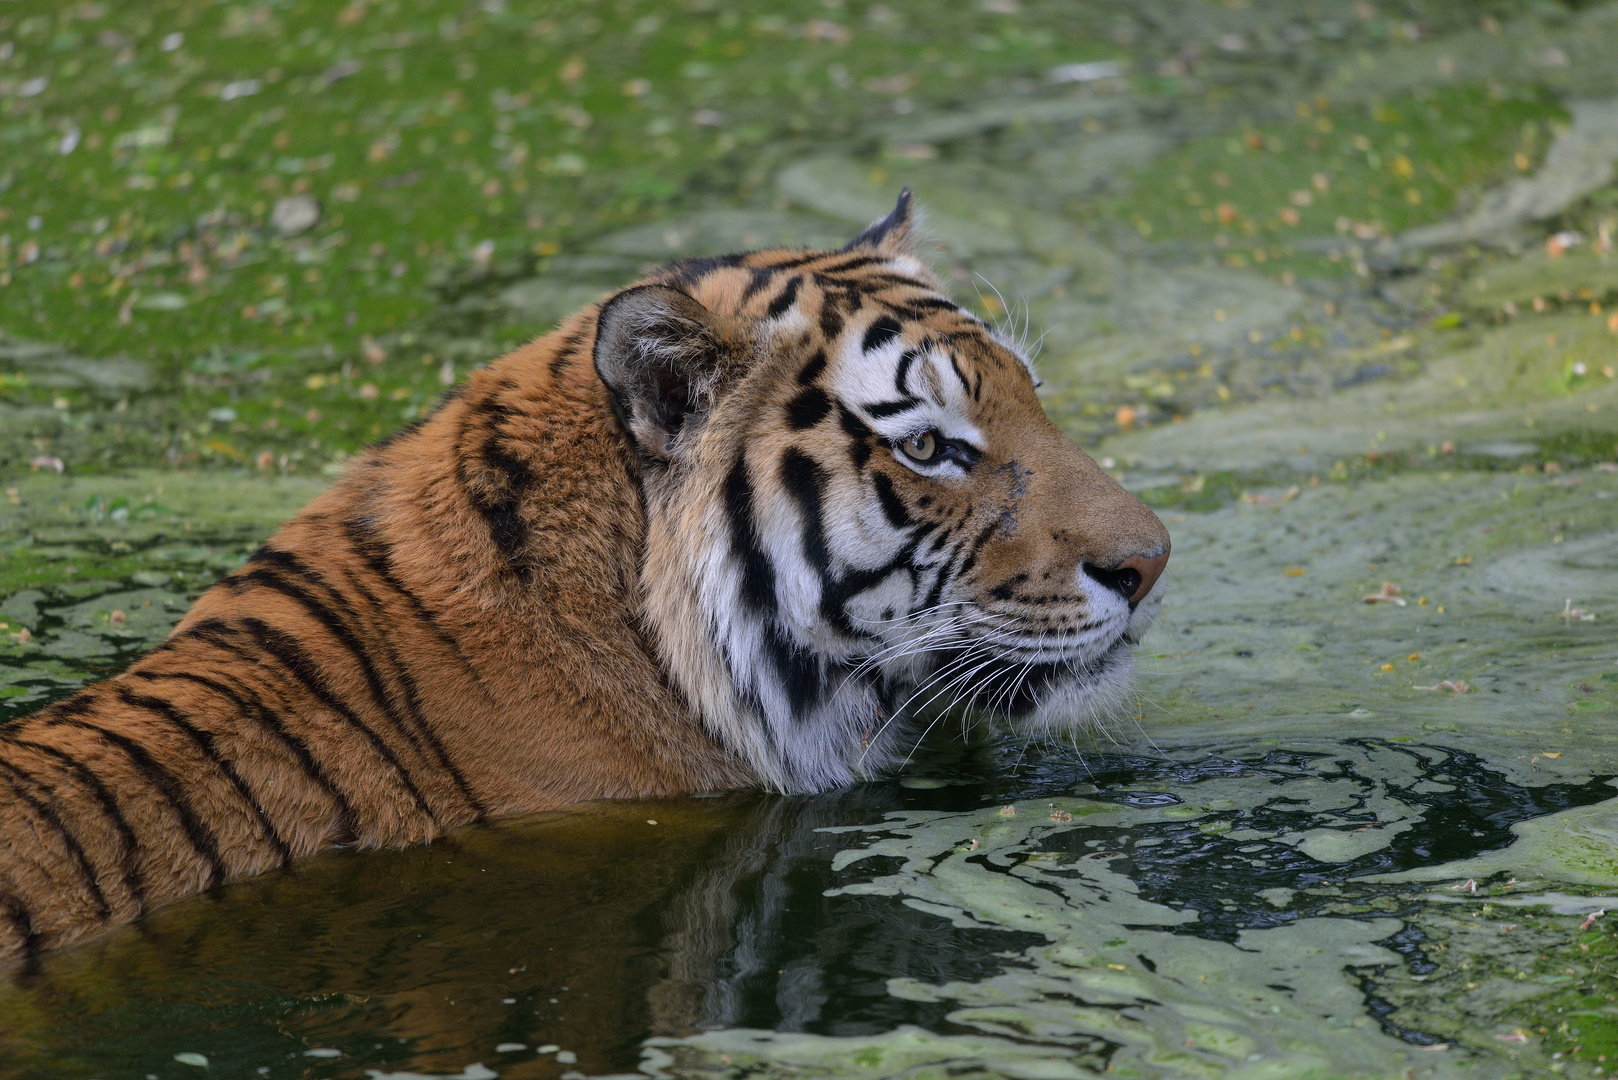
740 524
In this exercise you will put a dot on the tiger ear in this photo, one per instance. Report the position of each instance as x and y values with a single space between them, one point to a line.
891 235
660 353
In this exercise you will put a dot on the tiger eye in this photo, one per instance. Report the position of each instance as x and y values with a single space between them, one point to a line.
920 447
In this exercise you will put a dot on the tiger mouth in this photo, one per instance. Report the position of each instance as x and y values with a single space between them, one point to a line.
1007 687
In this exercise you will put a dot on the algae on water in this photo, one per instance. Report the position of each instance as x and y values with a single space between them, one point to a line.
1332 287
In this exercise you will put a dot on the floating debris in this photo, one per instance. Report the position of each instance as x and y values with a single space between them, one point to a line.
1389 593
295 214
1091 71
1571 614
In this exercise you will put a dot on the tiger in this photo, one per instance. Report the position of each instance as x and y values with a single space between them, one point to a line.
745 523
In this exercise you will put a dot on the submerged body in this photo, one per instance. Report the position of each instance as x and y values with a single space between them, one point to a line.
735 526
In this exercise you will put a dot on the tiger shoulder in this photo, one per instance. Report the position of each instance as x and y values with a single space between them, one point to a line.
747 522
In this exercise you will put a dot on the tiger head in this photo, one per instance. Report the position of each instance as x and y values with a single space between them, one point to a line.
858 514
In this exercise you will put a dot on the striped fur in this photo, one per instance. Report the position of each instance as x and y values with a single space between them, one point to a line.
674 546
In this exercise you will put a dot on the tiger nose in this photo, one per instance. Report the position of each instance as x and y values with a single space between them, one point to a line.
1132 578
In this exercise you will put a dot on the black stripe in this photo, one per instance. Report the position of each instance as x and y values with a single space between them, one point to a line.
831 323
811 371
48 812
1007 588
805 257
902 372
204 741
787 297
418 712
956 364
215 632
860 437
758 574
374 549
134 880
946 572
566 353
898 516
201 837
880 333
503 511
240 697
808 408
918 307
799 671
692 271
809 255
976 546
23 923
323 613
758 278
507 475
846 265
350 639
835 596
805 481
892 279
286 650
889 408
80 704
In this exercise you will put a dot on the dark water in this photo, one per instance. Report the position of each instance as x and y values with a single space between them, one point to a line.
595 929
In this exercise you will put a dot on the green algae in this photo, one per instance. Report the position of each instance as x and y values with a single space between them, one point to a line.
1325 389
1364 171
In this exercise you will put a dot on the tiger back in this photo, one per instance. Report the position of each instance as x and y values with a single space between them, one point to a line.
746 522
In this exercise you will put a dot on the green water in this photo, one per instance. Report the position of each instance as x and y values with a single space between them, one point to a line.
1329 284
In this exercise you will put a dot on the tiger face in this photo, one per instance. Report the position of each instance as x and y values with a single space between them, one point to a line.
858 514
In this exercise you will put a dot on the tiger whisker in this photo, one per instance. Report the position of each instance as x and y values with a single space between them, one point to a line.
927 684
985 661
941 713
919 613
